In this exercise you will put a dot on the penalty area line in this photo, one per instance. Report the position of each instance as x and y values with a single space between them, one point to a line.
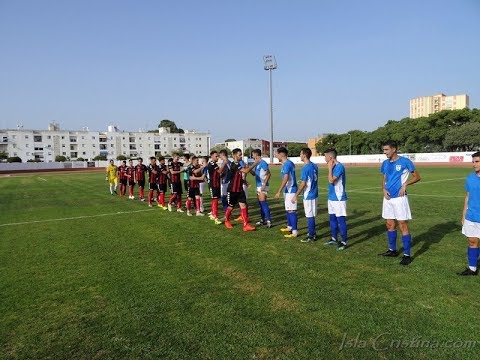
74 217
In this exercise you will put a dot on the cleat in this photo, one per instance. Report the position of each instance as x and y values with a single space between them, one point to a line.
211 217
269 224
285 229
217 222
248 227
467 272
332 241
169 207
142 199
260 223
239 219
189 213
309 239
159 205
111 193
228 224
200 214
406 260
342 246
288 236
180 210
115 191
389 253
149 205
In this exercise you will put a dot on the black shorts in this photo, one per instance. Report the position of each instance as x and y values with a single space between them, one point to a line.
234 198
215 192
162 188
131 183
186 184
153 186
141 183
176 188
192 192
123 181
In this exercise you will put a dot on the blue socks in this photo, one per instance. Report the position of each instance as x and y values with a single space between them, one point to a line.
333 226
292 220
264 210
342 224
473 254
407 244
392 240
262 213
311 226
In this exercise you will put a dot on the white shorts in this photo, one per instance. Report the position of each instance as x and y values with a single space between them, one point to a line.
288 202
203 187
471 229
224 189
396 208
259 190
310 207
338 208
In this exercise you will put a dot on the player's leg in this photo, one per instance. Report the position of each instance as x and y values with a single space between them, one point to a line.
232 201
244 213
179 197
388 213
198 205
189 204
310 207
291 208
472 231
402 214
332 217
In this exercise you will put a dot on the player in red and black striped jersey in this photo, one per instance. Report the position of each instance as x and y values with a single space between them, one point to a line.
162 182
195 177
153 171
215 181
130 174
122 177
140 170
236 194
175 183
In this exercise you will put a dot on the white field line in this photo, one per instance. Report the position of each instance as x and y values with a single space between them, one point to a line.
74 218
419 183
42 178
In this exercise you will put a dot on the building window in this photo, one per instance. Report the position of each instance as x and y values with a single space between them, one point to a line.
37 138
49 137
26 136
93 137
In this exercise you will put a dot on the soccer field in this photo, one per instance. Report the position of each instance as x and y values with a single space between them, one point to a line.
87 275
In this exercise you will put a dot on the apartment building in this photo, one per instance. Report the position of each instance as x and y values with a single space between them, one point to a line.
426 105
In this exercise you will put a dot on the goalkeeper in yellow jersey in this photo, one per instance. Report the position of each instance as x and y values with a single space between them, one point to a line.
112 178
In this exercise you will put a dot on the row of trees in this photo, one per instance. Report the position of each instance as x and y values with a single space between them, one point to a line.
447 130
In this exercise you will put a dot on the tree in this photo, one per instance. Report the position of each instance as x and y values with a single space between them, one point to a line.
14 159
229 140
171 125
3 155
248 152
463 138
217 148
121 157
60 158
80 159
295 148
100 157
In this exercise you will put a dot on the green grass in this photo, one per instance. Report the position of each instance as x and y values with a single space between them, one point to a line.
144 283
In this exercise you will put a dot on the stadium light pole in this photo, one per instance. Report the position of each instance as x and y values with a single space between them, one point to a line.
350 143
270 64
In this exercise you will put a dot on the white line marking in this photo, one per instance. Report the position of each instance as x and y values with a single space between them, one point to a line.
419 183
42 178
74 218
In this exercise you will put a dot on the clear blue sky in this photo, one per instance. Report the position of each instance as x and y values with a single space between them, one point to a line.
342 65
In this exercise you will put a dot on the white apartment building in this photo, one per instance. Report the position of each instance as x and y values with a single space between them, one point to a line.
426 105
45 145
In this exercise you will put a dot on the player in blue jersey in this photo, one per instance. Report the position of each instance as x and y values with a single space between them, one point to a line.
396 172
309 187
337 200
289 188
471 216
262 176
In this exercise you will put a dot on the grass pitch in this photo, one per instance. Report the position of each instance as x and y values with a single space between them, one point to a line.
87 275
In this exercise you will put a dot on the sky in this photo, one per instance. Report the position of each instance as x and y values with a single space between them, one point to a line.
342 65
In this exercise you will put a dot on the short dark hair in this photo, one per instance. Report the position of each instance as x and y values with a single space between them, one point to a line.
282 150
236 151
139 158
476 154
194 158
213 152
160 158
257 151
175 154
331 151
307 152
186 156
124 161
153 158
223 152
391 143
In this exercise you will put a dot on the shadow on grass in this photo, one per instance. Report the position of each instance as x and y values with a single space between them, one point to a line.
433 236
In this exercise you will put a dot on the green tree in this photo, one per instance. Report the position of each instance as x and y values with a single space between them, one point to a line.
14 159
229 140
248 152
463 138
100 157
171 125
121 157
295 148
3 155
60 158
80 159
218 148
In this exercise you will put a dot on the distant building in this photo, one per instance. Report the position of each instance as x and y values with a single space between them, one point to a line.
251 144
312 142
426 105
45 145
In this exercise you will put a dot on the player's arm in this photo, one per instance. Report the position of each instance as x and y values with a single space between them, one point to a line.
415 178
386 194
247 169
301 187
331 177
267 179
285 179
465 207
